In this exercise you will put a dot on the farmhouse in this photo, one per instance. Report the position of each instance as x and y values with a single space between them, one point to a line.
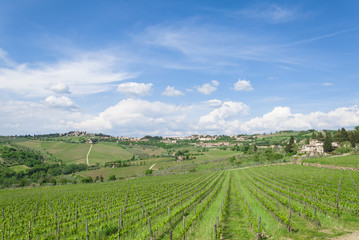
314 147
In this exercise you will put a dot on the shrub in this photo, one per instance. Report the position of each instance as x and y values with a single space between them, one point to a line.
112 178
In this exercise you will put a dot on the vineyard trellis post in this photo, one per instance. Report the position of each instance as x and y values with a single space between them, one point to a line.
58 230
149 225
29 230
184 227
215 231
87 231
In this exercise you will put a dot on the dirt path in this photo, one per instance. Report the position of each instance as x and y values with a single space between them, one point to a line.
351 236
87 156
152 166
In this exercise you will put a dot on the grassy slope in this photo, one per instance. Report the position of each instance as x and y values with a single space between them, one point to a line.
125 172
102 153
344 161
67 152
145 152
35 145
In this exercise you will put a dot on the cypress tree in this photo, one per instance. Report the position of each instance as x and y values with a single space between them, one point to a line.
289 148
327 145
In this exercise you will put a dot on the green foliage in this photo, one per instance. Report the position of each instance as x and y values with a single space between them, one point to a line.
289 148
20 156
342 150
112 178
87 180
327 145
149 172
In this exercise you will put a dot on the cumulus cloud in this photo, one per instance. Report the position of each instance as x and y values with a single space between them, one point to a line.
88 74
243 85
135 89
172 92
281 118
224 117
213 103
208 88
60 102
36 117
136 116
59 88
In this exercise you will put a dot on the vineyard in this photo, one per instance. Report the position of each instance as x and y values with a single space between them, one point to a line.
287 201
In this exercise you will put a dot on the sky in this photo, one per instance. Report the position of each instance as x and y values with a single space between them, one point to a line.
176 68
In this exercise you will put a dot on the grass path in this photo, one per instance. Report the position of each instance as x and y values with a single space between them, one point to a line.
236 225
87 156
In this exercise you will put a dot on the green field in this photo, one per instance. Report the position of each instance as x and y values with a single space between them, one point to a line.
351 161
124 172
144 152
102 153
35 145
268 202
67 152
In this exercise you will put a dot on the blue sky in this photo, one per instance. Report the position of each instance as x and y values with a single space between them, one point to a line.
131 68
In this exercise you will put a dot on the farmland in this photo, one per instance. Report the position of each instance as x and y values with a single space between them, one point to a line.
351 161
287 201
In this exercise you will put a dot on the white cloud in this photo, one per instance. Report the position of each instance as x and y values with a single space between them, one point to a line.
137 117
213 103
208 88
4 58
327 84
88 74
135 89
60 102
243 85
172 92
36 117
59 88
281 118
224 118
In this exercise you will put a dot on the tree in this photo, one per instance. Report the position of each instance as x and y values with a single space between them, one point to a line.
289 148
344 135
352 138
314 136
112 178
327 145
87 180
320 136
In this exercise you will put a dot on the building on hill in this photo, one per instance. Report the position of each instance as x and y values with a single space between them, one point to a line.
315 147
